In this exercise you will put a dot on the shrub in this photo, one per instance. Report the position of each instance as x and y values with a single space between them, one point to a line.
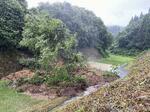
22 81
37 79
60 74
29 62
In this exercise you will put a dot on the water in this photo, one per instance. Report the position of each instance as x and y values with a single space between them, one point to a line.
122 72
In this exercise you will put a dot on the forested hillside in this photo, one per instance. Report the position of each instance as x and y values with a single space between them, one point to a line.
135 37
89 29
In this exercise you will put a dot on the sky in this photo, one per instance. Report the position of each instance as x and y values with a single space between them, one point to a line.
112 12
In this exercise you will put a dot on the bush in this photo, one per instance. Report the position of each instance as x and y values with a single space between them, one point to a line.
62 78
22 81
37 79
30 63
79 80
60 74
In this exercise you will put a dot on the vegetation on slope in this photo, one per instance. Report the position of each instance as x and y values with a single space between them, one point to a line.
131 94
135 37
89 29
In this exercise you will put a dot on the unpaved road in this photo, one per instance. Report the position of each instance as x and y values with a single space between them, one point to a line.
100 66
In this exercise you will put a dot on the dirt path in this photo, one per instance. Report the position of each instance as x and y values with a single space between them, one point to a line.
100 66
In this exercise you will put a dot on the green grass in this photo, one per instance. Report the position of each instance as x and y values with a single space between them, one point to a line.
117 59
12 101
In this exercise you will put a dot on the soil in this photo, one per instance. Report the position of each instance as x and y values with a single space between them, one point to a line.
91 75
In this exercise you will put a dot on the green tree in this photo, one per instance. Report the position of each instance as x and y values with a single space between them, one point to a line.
11 23
48 39
135 37
90 30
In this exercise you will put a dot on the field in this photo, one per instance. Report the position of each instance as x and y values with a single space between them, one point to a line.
12 101
117 59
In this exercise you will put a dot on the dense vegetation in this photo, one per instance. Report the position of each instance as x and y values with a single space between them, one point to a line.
52 45
89 29
135 37
11 22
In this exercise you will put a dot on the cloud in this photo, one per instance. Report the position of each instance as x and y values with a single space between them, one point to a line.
112 12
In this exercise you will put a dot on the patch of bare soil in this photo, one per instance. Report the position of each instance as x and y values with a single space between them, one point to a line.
9 63
92 77
100 66
20 74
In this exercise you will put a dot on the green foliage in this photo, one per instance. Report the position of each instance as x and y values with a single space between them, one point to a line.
29 63
11 23
37 79
135 38
22 81
62 78
89 29
48 39
60 75
53 48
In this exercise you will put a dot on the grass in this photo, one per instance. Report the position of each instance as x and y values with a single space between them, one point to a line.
12 101
117 59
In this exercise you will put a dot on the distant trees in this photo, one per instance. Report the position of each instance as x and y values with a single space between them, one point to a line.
89 29
114 29
136 36
11 23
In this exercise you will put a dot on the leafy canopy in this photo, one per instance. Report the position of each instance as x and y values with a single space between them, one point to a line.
11 23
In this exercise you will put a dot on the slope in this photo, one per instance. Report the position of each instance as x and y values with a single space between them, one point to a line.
131 94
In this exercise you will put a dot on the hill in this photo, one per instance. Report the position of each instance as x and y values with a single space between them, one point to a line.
90 30
131 94
135 37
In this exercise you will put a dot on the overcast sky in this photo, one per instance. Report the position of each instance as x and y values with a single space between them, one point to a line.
112 12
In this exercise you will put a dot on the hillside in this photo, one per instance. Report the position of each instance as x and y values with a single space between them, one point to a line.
131 94
135 37
89 29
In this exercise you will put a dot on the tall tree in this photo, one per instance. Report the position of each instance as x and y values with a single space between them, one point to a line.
11 23
89 29
136 36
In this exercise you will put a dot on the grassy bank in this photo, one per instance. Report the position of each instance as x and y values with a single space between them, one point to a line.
117 59
12 101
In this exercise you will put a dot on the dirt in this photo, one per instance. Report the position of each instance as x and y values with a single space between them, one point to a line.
9 63
92 75
25 73
130 94
100 66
